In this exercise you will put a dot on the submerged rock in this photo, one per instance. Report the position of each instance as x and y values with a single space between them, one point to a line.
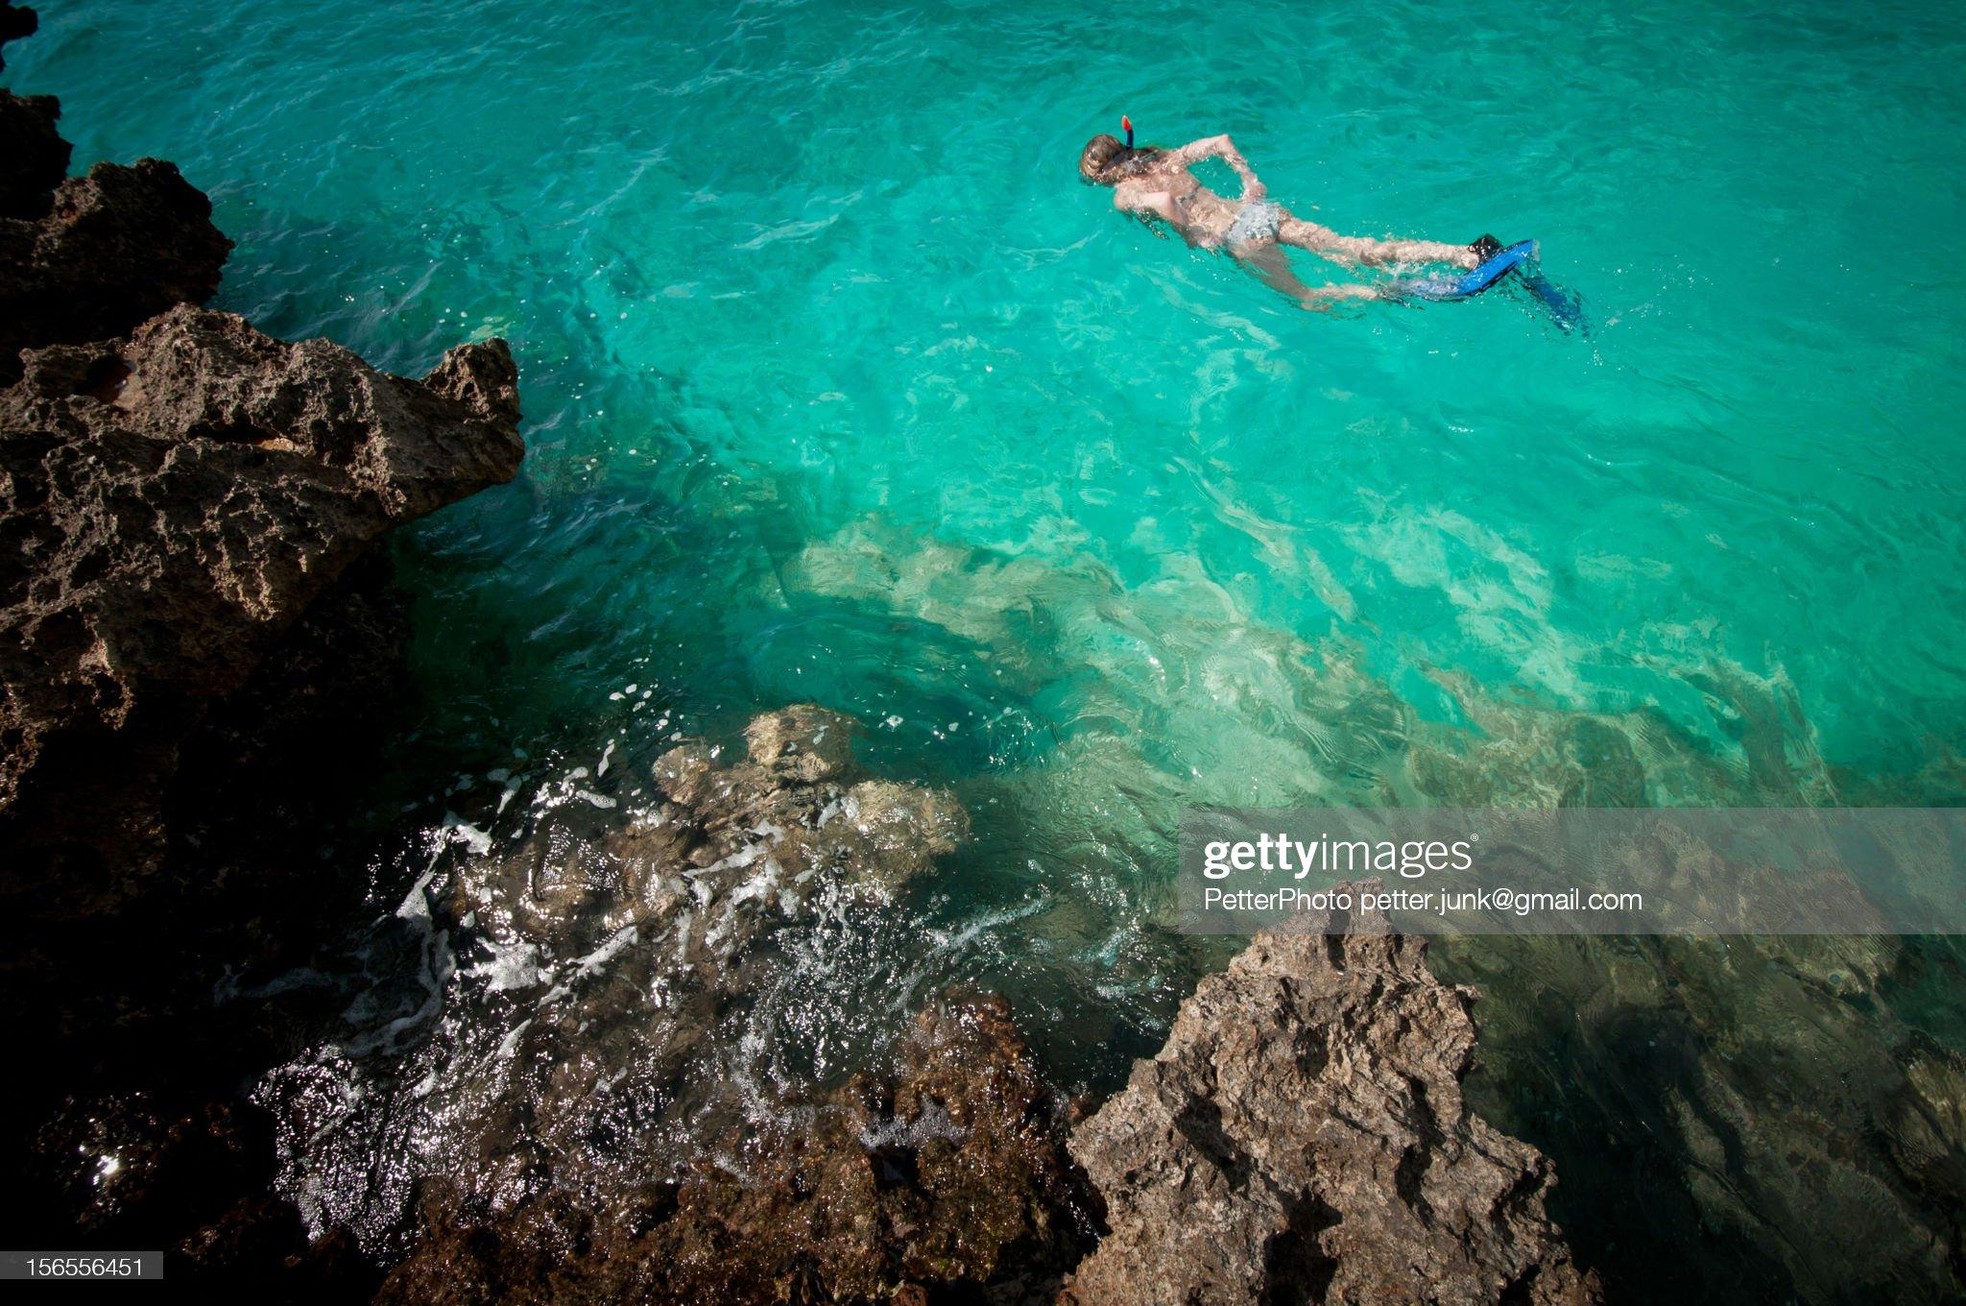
945 1174
1302 1137
803 742
735 848
1790 1123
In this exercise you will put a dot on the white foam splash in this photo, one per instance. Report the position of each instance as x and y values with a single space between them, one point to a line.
511 966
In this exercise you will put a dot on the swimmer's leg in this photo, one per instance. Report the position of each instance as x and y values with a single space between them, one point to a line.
1354 250
1326 297
1267 260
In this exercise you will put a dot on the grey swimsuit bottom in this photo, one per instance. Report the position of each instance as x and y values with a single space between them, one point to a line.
1259 221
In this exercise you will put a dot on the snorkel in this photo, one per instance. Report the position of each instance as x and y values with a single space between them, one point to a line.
1106 161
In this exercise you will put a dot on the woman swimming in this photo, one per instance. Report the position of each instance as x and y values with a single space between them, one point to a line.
1157 183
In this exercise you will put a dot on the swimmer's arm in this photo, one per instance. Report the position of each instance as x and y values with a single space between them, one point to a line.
1221 147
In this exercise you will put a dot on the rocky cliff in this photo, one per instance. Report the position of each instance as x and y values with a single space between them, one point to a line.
191 515
171 503
176 490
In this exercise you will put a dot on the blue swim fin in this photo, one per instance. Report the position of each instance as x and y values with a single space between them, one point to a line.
1469 284
1520 258
1564 305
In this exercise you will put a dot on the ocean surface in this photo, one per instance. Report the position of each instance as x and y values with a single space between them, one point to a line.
841 387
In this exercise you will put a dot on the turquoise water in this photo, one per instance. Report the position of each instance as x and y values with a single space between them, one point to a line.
804 273
841 387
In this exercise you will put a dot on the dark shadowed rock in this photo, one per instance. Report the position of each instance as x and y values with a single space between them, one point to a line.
1302 1138
136 1172
35 157
16 21
197 633
116 247
169 507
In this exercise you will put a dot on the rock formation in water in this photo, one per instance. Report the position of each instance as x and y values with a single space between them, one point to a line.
945 1174
97 255
1764 1086
171 503
602 958
190 515
176 489
1302 1137
734 850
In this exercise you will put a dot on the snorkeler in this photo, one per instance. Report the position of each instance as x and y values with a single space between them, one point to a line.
1157 183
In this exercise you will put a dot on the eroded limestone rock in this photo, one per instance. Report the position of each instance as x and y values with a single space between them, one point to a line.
170 505
115 248
1302 1137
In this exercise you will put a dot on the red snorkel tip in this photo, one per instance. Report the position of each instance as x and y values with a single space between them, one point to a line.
1126 125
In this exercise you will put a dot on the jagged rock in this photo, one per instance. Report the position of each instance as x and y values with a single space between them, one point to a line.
169 506
1302 1138
946 1174
116 247
189 573
36 157
89 258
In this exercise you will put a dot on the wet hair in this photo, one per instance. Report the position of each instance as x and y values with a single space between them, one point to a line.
1107 162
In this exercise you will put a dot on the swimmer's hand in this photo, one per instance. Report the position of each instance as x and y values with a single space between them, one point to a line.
1253 189
1221 147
